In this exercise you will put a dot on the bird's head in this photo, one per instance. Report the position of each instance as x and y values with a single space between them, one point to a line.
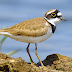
54 16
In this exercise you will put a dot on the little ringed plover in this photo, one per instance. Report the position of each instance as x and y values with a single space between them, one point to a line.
34 30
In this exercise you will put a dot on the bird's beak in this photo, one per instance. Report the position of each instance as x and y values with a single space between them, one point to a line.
63 19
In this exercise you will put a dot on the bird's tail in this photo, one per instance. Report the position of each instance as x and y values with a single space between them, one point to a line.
3 32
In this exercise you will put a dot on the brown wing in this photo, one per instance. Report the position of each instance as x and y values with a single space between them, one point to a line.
33 27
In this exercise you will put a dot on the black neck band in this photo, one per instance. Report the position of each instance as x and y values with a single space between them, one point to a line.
53 27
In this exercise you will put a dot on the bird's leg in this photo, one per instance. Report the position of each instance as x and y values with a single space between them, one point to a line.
37 55
29 53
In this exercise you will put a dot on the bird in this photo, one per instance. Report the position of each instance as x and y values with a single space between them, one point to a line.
35 30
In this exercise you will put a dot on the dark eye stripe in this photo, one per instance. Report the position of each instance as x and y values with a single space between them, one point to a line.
56 11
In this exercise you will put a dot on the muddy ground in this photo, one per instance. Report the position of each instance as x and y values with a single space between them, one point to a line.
53 63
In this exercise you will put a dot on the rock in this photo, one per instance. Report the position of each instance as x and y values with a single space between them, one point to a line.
53 63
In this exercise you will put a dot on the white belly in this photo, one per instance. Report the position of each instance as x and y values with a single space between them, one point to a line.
29 39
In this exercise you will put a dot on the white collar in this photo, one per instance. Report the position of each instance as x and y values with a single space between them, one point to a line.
50 21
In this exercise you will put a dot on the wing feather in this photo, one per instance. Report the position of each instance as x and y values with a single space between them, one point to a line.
33 27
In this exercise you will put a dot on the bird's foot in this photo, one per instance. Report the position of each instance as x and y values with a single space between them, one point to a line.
43 67
33 64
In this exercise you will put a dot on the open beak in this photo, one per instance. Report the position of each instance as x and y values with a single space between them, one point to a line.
63 19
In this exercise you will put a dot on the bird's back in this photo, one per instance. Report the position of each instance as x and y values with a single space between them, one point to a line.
32 28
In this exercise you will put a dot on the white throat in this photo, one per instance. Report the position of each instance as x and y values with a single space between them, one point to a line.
53 21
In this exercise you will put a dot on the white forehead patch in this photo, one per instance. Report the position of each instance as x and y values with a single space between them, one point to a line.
59 13
51 12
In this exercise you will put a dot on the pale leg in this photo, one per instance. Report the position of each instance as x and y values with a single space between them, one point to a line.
37 55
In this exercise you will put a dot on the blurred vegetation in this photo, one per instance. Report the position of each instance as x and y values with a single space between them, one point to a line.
30 61
2 40
70 63
13 52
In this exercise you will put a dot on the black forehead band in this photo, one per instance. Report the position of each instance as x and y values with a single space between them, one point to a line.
56 11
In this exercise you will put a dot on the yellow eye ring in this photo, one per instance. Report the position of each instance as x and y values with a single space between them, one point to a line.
53 14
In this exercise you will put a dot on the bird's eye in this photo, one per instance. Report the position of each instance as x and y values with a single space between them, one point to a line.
53 14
